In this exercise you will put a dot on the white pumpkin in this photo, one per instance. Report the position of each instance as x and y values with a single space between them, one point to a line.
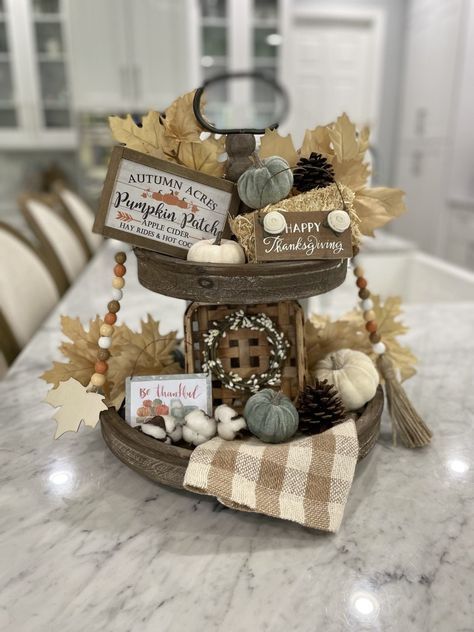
216 251
352 373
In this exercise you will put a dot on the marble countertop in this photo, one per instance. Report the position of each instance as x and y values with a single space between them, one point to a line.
87 544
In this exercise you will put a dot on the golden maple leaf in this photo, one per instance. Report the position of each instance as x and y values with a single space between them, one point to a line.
317 140
179 120
81 352
377 206
146 353
202 155
344 139
148 138
76 405
323 336
272 144
389 328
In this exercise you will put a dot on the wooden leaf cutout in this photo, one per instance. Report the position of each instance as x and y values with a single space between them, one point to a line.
272 144
76 405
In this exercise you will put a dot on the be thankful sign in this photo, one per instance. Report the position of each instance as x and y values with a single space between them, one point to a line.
302 235
162 206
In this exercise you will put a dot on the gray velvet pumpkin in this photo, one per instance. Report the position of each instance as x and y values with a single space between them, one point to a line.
271 416
268 182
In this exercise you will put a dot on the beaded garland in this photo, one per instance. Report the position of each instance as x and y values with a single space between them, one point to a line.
367 305
279 346
101 367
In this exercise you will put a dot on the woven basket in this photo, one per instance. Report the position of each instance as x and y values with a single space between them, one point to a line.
245 351
167 464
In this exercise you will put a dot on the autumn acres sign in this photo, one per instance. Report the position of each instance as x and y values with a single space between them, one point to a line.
162 206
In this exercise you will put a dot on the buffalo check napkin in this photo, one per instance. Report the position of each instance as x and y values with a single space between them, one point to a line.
306 480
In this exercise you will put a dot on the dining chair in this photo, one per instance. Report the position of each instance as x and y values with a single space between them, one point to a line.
59 244
27 291
81 212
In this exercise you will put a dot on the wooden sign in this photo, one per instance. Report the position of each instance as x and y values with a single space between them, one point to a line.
307 235
162 206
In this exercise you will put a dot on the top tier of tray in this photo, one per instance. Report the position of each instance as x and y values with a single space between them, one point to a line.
245 284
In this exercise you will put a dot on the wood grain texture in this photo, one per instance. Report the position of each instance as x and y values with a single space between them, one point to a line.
245 351
167 464
244 284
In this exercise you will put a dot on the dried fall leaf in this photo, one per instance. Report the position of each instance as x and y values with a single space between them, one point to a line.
202 156
81 352
389 328
76 405
343 137
146 353
272 144
352 173
149 138
316 140
180 122
377 206
323 336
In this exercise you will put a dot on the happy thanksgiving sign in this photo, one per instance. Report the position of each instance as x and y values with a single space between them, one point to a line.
162 206
307 235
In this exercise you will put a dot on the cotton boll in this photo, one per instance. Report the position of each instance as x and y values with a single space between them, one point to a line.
198 427
230 423
153 431
173 429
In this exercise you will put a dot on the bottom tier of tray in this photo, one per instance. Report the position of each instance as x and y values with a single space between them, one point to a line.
167 464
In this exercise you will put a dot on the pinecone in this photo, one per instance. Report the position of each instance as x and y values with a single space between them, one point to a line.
314 172
319 407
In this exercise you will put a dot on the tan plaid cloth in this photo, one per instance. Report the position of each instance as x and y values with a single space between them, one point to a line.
306 480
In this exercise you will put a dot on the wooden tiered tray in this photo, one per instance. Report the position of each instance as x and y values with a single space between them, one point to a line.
167 464
245 284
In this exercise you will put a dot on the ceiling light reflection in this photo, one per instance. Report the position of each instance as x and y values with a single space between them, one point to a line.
61 477
458 466
364 605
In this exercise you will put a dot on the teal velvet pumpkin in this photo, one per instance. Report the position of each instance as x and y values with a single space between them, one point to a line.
271 416
268 182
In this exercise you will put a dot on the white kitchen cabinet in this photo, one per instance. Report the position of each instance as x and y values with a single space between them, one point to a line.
35 108
129 56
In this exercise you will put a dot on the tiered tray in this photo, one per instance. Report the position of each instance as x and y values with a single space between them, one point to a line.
245 284
167 464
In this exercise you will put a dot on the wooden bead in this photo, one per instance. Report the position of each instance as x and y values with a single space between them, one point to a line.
105 342
98 379
113 307
119 270
361 283
375 337
101 367
108 330
364 293
359 271
110 318
371 326
118 283
369 315
120 257
117 295
103 355
355 250
367 304
379 348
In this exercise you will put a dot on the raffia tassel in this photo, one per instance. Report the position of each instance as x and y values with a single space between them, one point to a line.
406 422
